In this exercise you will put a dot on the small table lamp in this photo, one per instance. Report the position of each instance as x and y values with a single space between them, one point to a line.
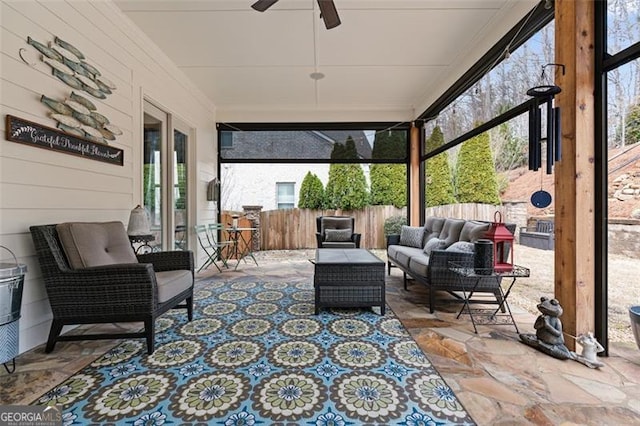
138 222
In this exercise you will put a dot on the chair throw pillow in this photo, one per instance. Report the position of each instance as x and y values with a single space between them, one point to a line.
434 244
337 235
411 236
89 244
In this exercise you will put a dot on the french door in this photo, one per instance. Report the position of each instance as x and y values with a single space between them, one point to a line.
165 168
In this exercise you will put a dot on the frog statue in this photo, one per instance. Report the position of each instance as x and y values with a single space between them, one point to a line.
548 337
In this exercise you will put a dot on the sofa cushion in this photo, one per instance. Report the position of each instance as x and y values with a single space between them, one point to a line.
432 228
462 246
338 244
411 236
402 254
172 283
451 231
419 265
473 230
433 244
89 244
335 235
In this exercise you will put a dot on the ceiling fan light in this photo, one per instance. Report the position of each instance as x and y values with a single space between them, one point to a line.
329 13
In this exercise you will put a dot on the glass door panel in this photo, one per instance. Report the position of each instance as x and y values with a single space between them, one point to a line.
180 189
155 124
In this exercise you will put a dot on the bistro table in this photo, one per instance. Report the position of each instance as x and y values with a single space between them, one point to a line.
242 247
470 279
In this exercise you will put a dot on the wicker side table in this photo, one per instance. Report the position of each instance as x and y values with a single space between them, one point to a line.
348 278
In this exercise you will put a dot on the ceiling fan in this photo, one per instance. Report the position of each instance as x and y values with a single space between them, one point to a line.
328 11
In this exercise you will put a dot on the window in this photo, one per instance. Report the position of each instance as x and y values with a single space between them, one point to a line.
226 140
285 197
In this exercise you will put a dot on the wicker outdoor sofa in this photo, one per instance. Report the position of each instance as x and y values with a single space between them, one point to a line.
427 253
97 278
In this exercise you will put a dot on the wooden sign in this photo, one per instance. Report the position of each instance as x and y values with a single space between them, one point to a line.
29 133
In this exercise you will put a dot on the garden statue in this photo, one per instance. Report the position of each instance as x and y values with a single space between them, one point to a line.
548 337
590 349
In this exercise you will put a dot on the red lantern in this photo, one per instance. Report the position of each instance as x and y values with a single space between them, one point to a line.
502 240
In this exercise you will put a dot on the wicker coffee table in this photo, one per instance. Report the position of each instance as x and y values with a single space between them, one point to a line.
348 278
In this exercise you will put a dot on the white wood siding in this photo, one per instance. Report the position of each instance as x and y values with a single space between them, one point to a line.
39 186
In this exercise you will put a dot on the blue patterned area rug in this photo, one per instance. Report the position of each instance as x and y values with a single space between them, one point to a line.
255 354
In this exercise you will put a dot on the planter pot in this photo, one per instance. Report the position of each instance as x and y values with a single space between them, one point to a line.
634 315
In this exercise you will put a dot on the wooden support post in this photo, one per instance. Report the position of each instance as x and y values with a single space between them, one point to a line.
414 175
575 173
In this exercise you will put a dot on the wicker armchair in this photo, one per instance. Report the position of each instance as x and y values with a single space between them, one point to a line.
111 293
336 232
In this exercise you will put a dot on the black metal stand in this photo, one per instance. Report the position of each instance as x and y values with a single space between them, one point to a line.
13 361
144 241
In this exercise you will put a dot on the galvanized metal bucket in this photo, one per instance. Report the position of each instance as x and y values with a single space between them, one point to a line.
11 283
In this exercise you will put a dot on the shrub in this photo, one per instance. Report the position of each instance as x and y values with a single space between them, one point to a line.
438 182
389 185
476 173
346 188
393 225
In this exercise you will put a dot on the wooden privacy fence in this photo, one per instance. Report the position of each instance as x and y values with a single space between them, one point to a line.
293 229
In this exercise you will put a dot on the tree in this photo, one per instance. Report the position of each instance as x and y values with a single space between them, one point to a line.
311 192
475 172
347 185
632 126
438 181
389 181
388 185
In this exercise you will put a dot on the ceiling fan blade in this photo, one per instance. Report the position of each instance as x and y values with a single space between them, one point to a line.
329 13
262 5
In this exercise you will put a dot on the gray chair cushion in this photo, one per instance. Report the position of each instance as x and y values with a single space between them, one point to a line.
411 236
419 265
172 283
451 231
89 244
338 244
473 230
337 235
335 223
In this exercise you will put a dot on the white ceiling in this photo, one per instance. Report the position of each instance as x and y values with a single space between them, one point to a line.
387 61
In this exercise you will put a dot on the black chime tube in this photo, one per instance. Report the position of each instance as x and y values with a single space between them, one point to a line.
557 133
538 147
532 133
550 135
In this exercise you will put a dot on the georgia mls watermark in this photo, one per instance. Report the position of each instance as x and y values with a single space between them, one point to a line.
30 415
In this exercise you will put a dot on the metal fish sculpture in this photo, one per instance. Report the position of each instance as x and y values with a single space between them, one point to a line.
93 92
70 47
58 107
66 120
113 129
68 79
57 65
46 51
77 107
71 130
87 81
64 52
93 132
103 88
85 119
95 139
107 134
101 119
83 101
77 68
106 82
87 66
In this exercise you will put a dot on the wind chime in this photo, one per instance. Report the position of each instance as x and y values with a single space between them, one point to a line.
544 94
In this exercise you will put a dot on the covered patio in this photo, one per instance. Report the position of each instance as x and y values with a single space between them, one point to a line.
181 72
